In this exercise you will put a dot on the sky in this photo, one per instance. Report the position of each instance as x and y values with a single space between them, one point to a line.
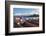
24 11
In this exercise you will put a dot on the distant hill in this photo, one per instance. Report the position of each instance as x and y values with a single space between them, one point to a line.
34 15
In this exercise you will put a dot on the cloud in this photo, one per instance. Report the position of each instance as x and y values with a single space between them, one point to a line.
36 11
